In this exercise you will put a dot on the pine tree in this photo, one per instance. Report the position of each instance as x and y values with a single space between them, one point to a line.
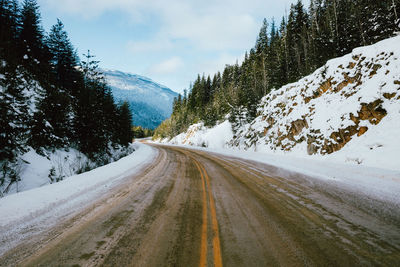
260 55
14 118
381 22
31 39
63 59
9 28
273 59
52 124
322 32
88 128
94 122
283 54
124 129
262 40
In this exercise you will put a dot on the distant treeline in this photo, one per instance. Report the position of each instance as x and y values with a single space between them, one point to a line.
49 99
140 132
285 52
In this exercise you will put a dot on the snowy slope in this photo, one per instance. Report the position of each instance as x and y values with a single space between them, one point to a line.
198 135
151 103
34 169
73 192
347 111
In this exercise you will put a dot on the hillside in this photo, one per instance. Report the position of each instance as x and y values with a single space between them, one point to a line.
57 117
150 102
347 111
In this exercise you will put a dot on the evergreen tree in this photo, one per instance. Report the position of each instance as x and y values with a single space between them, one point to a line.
124 119
259 56
382 19
9 28
14 119
262 40
283 55
88 128
95 121
52 124
31 40
63 59
14 116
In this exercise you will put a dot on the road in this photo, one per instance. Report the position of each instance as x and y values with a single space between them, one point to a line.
193 208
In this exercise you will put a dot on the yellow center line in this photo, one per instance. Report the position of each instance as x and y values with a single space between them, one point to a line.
216 241
203 247
206 186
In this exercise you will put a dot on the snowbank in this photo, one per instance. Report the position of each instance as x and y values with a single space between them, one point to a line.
73 193
35 170
198 135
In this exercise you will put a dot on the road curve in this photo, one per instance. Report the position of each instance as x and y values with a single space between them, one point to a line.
193 208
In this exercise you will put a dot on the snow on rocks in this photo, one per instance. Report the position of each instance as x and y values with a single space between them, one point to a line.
348 110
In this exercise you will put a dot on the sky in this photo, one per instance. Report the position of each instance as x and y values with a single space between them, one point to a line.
169 41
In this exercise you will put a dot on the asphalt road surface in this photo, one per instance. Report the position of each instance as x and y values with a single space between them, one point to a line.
193 208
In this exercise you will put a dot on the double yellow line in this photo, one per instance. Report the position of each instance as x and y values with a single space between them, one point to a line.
206 186
214 223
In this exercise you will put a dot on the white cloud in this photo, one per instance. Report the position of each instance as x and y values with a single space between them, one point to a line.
210 67
137 47
212 32
90 8
207 24
205 34
168 66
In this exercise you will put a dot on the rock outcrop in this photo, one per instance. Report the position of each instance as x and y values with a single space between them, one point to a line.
323 112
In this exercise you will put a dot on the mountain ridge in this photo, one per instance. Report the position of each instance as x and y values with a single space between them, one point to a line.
141 77
150 102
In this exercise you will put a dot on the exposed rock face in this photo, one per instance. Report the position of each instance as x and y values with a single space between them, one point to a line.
297 127
325 111
372 112
362 130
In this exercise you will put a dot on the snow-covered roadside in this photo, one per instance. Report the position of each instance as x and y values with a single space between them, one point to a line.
198 135
36 170
72 194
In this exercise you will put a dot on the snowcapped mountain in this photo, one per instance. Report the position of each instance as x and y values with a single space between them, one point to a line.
150 102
